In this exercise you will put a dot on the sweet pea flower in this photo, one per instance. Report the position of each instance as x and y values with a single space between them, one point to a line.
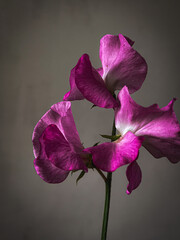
157 129
56 144
121 65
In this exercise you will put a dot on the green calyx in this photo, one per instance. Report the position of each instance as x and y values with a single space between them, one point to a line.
111 137
80 176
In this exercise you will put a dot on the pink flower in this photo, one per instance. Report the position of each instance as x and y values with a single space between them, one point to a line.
57 147
121 65
157 129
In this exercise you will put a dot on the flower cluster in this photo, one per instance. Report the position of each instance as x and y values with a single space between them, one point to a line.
57 146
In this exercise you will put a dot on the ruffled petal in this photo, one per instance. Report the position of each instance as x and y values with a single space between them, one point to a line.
160 147
134 176
112 155
91 85
59 151
74 93
158 126
122 65
60 114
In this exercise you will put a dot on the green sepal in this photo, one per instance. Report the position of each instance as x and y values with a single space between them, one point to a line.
80 176
93 106
90 164
112 137
96 144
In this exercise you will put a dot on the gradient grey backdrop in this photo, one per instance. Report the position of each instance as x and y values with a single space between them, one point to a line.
41 41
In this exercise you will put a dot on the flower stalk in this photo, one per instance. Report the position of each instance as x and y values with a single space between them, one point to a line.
106 206
107 196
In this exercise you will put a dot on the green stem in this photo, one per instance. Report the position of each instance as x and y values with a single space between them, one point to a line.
107 198
106 206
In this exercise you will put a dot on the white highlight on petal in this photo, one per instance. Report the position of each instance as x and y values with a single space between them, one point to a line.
123 128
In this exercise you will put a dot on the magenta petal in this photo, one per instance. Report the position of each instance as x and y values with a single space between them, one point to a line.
91 85
74 93
56 143
158 126
109 50
67 125
112 155
100 71
160 147
134 176
122 65
60 114
59 151
48 171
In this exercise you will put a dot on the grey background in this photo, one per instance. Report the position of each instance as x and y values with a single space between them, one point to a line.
41 41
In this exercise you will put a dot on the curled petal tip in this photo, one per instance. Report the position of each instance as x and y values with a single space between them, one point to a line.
128 193
85 56
134 176
65 98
